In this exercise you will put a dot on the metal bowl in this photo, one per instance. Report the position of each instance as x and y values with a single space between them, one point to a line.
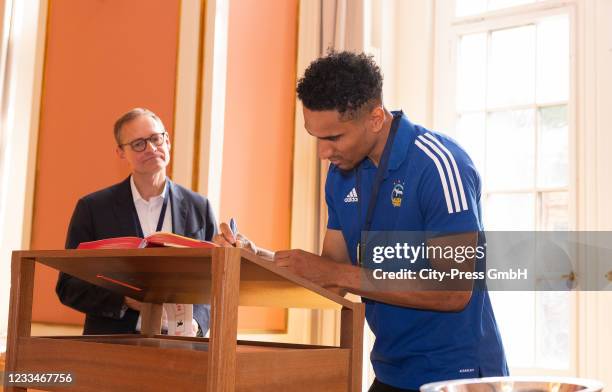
515 384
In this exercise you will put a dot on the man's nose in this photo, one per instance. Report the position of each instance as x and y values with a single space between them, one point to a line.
151 146
324 149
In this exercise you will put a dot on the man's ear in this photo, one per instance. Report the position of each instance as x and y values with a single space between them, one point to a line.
377 118
119 152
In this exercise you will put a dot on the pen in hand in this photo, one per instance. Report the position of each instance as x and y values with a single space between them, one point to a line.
234 229
243 242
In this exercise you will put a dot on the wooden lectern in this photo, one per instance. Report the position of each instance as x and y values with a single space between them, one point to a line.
223 277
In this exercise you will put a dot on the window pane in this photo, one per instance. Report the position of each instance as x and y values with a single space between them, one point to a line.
498 4
512 67
512 211
471 136
553 323
553 161
516 325
554 211
510 150
470 7
553 60
472 71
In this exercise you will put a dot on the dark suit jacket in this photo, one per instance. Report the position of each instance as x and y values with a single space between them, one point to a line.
109 213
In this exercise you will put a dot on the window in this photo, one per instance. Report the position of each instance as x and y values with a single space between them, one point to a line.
512 111
512 117
471 7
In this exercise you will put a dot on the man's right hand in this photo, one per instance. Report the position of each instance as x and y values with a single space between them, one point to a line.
227 238
133 304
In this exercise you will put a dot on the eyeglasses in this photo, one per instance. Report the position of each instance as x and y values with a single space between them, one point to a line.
139 145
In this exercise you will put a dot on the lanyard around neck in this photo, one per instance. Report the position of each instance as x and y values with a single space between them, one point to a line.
162 214
380 175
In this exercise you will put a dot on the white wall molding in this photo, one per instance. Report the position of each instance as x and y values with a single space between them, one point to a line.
188 87
595 176
19 122
305 192
213 100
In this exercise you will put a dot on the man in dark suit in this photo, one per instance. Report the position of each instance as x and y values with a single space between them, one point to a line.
144 203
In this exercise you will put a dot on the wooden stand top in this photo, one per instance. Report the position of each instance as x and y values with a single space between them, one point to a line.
184 275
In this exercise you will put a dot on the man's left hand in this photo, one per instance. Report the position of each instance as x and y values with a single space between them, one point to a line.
310 266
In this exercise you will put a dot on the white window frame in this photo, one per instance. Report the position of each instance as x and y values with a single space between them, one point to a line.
448 30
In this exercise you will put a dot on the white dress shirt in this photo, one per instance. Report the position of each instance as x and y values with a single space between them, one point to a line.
148 215
148 211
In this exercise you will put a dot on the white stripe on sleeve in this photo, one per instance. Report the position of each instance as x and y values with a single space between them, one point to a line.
436 161
455 167
448 170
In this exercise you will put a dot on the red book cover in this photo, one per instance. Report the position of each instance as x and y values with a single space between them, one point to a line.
156 239
176 241
114 243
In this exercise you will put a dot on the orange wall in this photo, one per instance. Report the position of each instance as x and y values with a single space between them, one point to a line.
102 58
258 138
260 104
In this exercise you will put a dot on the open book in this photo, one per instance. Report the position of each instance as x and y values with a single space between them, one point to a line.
154 240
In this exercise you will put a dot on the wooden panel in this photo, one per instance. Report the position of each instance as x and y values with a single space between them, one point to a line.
187 278
186 342
20 309
351 337
224 319
115 367
148 365
293 371
151 316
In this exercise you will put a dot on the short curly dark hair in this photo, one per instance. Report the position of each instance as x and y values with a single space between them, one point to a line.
342 81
